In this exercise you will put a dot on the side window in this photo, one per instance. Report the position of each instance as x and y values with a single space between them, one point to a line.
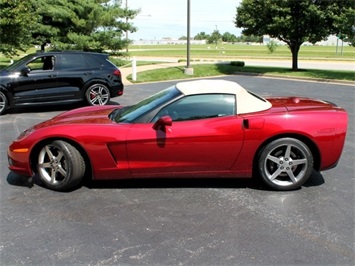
199 107
93 62
42 63
72 61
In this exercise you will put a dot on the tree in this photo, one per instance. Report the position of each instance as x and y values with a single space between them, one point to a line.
250 38
291 21
228 37
346 25
201 36
215 37
91 25
18 19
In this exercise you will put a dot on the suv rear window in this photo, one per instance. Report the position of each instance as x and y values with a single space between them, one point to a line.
94 62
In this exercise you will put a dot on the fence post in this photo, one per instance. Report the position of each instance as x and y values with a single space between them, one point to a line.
134 69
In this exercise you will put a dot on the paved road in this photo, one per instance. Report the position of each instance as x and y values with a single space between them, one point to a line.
181 222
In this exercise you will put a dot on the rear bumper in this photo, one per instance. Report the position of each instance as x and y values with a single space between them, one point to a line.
117 90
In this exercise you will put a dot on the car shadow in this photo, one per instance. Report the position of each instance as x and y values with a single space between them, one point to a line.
315 180
19 181
224 183
51 108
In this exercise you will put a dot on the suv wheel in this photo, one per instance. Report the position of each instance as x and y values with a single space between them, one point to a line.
3 103
97 94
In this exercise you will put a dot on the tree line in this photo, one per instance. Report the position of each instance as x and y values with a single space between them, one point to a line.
97 25
91 25
216 36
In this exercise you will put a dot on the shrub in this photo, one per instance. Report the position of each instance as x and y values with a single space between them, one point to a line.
238 63
272 46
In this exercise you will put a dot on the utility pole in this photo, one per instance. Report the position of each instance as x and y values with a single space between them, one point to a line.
188 70
126 25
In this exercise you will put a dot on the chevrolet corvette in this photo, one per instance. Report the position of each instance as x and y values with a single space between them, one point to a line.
201 128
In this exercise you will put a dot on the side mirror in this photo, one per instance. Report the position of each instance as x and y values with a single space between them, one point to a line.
162 123
24 71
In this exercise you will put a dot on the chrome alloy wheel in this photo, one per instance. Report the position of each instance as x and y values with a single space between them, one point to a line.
98 94
3 102
60 165
52 165
285 165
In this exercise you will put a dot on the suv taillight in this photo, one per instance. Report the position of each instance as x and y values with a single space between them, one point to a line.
117 73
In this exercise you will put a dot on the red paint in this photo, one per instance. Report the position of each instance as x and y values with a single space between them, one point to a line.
221 146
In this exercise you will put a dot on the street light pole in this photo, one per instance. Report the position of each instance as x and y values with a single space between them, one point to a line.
188 69
188 33
126 26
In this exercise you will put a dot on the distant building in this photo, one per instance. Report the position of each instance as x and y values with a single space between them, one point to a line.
166 41
332 40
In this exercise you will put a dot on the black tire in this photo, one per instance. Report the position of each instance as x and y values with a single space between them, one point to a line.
285 164
60 165
97 94
3 103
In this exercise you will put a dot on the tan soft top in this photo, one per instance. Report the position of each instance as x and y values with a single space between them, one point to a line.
246 102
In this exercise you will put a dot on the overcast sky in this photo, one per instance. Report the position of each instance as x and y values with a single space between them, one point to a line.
168 18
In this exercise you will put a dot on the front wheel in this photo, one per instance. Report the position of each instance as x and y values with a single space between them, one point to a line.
3 103
60 165
97 94
285 164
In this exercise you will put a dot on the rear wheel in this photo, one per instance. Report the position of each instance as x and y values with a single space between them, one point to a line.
285 164
97 94
60 165
3 103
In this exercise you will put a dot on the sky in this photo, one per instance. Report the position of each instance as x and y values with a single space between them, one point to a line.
168 18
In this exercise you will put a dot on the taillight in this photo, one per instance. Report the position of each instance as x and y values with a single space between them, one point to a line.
117 73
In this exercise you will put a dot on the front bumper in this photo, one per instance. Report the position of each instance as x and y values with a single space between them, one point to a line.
18 160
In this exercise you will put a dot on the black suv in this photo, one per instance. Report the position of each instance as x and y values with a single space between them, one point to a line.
53 77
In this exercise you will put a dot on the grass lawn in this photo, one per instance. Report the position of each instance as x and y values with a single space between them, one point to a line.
207 70
234 51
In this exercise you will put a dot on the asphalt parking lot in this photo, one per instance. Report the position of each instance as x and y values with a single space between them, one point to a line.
181 221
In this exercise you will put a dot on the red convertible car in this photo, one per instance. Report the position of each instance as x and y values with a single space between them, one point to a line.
202 128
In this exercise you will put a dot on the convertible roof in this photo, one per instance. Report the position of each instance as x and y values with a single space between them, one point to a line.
246 102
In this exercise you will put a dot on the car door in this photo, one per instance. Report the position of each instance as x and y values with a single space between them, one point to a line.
72 75
204 136
37 85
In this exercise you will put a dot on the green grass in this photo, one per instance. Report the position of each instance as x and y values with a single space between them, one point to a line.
230 51
207 70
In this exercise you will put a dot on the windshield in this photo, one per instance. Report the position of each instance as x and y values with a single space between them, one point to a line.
16 64
131 113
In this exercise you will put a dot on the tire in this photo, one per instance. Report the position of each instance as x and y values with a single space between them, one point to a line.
285 164
97 94
3 103
60 165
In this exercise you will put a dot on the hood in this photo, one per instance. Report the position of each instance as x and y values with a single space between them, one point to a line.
85 115
300 103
